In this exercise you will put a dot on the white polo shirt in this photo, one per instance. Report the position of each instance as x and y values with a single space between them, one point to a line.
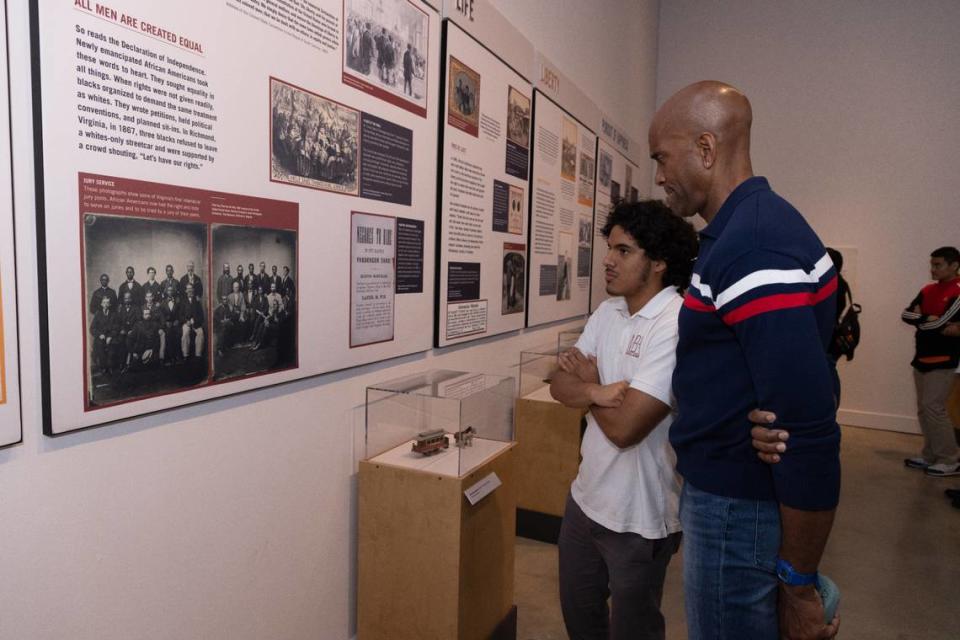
636 489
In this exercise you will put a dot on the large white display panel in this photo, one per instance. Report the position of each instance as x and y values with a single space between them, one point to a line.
562 203
298 138
11 430
485 158
615 181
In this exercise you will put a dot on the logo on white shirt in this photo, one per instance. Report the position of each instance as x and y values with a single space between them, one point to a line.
634 348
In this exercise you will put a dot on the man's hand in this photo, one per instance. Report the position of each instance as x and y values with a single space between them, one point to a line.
573 361
801 615
609 395
952 330
769 443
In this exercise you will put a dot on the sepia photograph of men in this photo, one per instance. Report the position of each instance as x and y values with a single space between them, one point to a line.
314 141
385 49
142 339
255 320
518 118
463 97
568 153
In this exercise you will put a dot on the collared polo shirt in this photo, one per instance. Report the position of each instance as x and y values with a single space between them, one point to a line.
634 489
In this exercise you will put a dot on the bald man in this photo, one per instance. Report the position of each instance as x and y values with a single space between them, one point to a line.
754 332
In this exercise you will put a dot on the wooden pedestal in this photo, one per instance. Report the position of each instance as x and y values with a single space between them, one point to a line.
431 565
548 456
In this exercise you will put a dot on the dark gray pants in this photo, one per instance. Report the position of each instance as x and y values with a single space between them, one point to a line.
597 563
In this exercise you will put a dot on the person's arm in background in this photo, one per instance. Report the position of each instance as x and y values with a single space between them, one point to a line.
911 315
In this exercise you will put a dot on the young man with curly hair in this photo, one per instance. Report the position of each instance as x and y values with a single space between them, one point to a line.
621 525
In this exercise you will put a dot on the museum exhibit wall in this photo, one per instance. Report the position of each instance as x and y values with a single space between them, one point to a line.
234 518
855 124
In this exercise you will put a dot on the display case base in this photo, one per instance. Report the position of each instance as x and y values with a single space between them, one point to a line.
430 564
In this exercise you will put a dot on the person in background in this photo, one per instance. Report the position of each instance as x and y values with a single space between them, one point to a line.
935 359
621 525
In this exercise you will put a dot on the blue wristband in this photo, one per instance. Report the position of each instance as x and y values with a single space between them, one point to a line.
788 576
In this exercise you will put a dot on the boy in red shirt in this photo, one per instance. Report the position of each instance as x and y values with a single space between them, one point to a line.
935 359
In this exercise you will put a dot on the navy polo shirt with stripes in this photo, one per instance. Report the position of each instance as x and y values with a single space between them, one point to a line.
754 331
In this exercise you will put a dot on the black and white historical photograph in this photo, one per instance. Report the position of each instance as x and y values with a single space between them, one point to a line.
314 141
568 153
518 118
254 298
144 284
605 170
584 248
564 264
463 97
514 278
385 46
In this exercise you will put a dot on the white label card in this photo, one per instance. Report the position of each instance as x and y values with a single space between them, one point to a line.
482 489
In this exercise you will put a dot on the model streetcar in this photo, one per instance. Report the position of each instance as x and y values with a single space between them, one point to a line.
430 442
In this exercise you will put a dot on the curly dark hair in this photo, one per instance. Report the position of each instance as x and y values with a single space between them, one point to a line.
662 235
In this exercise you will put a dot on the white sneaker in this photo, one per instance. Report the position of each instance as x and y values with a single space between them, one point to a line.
942 470
916 463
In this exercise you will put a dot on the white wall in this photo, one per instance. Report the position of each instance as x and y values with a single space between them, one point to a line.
234 519
855 107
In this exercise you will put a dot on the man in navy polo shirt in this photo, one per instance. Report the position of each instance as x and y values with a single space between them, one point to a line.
754 331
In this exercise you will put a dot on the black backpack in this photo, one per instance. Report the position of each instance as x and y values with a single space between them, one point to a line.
846 334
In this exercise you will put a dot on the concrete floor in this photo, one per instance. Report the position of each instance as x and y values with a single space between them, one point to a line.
894 553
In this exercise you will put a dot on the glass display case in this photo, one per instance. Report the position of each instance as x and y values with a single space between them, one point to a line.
568 338
441 421
537 365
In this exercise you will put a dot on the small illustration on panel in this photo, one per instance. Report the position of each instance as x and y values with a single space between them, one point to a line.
568 154
586 182
313 141
605 170
518 118
514 278
463 97
385 48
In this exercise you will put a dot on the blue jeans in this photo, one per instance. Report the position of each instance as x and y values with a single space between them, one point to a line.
730 549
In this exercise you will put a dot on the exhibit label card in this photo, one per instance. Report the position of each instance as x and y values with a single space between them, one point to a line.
484 193
561 233
212 155
372 278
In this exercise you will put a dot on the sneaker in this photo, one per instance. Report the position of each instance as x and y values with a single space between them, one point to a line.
952 493
916 463
942 470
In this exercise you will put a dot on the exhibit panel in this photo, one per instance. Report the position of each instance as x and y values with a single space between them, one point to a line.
562 203
276 213
615 182
11 429
483 194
